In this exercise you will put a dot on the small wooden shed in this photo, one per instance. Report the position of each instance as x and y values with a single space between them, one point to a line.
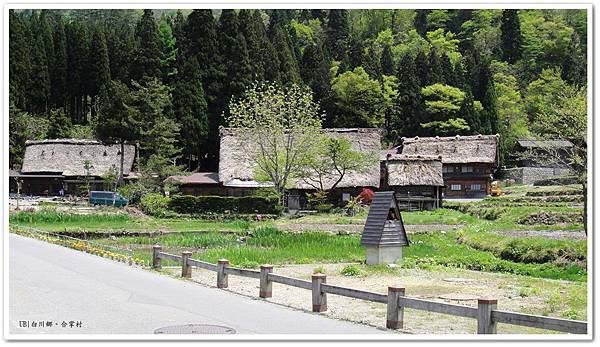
384 234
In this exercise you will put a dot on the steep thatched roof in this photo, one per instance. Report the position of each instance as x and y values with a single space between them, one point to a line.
237 163
455 149
67 156
414 170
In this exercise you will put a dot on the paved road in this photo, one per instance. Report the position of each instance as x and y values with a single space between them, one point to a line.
54 283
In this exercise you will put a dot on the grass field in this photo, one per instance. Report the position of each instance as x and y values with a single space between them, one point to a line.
269 245
475 245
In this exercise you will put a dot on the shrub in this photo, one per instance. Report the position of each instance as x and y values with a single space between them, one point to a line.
324 208
155 204
316 199
350 270
224 204
353 206
133 192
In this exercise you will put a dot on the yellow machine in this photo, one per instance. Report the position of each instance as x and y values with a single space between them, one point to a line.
496 191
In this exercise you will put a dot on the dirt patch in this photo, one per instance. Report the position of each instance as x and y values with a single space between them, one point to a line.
550 234
358 228
465 287
135 212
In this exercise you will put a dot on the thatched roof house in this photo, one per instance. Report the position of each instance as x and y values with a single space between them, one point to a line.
414 170
237 164
455 149
67 156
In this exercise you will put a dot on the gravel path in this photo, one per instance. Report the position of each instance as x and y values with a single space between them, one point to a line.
452 286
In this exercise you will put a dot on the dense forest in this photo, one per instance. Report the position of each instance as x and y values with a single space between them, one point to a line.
164 79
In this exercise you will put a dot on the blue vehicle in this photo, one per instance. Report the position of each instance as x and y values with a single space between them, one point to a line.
107 198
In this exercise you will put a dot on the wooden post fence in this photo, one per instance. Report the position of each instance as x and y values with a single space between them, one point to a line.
186 268
155 256
266 286
395 312
486 313
319 297
222 280
485 323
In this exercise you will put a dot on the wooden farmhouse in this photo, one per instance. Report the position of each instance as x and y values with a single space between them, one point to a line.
468 162
237 166
52 165
416 179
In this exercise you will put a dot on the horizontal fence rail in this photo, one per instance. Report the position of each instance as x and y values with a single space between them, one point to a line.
528 320
242 272
486 312
354 293
169 256
202 264
294 282
439 307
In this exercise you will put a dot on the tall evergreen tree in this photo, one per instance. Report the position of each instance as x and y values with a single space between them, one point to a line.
39 92
121 51
422 65
235 56
201 32
268 55
190 108
408 112
148 54
168 51
76 58
488 101
315 70
434 72
387 62
470 115
447 72
372 63
337 33
278 18
288 68
99 66
355 52
45 32
59 73
421 21
512 40
249 28
19 61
